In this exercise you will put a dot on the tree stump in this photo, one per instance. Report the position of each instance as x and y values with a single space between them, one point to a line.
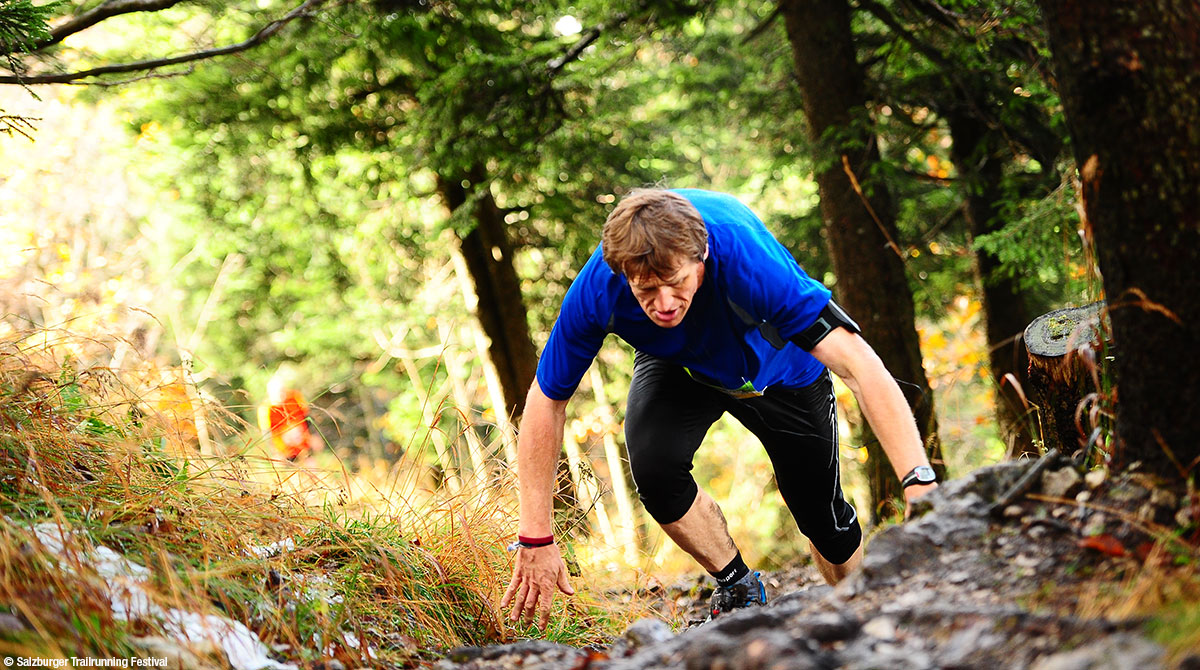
1063 370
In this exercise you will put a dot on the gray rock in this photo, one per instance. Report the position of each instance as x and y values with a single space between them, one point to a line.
1121 651
1062 483
915 544
881 627
799 600
826 627
641 633
1126 490
178 657
647 631
966 646
761 650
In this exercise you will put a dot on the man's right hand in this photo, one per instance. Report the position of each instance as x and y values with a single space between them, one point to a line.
537 572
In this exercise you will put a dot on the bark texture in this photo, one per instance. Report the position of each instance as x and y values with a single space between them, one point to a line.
489 256
1129 77
861 231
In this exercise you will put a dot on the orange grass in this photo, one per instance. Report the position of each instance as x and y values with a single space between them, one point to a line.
386 576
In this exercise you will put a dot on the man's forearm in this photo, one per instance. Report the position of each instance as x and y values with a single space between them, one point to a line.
878 396
887 412
538 446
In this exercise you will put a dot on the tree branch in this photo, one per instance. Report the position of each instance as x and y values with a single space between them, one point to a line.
764 25
935 56
105 10
265 33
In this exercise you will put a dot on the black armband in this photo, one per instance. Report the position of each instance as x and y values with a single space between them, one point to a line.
831 317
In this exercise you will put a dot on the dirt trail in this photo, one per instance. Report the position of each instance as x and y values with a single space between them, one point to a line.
968 583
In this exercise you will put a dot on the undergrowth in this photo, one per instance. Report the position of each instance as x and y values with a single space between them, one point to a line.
89 465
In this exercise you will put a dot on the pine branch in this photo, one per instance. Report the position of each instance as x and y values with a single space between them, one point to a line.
265 33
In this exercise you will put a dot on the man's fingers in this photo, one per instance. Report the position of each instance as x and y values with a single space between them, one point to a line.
512 589
519 602
529 607
564 584
547 597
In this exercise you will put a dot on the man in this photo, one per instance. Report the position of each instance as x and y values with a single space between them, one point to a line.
723 320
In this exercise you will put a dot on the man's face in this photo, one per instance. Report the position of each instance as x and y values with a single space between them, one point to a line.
666 299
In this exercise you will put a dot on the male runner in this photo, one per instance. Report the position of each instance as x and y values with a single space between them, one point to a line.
722 320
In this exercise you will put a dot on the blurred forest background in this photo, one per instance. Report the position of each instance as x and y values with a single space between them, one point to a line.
380 203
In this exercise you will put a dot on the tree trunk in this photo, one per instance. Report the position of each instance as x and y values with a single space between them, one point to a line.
861 231
1129 78
1063 371
501 310
978 154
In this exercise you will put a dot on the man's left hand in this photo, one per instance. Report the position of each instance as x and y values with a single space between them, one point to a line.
913 492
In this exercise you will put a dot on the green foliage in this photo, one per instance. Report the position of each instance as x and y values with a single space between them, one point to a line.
1036 229
22 25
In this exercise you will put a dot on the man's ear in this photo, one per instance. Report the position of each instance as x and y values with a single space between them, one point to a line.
705 256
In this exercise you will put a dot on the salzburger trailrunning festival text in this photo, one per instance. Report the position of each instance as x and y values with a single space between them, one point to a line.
132 661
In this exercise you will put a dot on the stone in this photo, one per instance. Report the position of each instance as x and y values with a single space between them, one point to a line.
1124 490
641 633
1120 651
178 657
826 626
1163 498
1062 483
881 627
1094 478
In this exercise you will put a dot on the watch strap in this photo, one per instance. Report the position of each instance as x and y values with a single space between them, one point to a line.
914 477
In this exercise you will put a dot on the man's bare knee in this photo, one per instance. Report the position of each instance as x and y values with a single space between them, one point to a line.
836 572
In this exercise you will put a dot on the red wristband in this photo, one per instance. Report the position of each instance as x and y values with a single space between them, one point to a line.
535 542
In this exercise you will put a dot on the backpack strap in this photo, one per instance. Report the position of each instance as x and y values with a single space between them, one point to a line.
770 333
830 317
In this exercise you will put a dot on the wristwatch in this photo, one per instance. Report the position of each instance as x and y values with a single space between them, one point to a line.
920 475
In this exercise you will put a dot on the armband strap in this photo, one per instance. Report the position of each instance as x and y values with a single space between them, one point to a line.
535 542
830 317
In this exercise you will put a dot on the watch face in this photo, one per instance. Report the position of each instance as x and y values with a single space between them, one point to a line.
925 474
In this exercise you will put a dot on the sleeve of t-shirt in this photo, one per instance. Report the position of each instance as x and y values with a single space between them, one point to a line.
575 338
771 285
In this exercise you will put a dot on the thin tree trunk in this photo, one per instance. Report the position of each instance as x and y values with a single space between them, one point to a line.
858 215
1129 78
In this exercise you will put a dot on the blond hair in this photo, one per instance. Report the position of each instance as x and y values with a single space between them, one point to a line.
650 232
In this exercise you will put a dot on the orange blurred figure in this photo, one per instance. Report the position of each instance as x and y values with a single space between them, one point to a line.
285 419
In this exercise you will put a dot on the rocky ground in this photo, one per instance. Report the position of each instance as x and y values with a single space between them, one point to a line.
983 576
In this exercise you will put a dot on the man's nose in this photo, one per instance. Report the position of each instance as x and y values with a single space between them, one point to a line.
662 299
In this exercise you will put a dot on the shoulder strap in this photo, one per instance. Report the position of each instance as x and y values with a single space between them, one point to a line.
770 333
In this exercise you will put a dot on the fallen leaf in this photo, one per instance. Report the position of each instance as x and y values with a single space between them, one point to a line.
1105 544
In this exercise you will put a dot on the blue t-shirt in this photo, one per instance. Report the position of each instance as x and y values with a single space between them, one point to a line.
749 279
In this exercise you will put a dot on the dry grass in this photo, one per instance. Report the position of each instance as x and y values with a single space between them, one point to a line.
1158 583
104 458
